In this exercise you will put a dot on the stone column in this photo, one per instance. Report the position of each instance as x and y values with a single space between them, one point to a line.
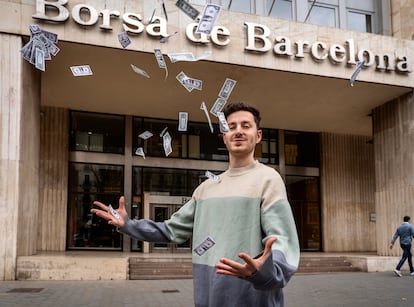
393 131
402 21
19 155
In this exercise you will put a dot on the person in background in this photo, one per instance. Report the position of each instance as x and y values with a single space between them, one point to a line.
406 233
245 242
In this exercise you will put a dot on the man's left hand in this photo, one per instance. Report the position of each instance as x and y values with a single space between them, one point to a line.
247 269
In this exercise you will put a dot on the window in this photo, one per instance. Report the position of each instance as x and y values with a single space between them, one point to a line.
279 9
87 183
302 148
171 182
322 15
97 132
266 151
361 22
243 6
197 143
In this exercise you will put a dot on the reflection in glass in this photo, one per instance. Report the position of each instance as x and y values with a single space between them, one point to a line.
279 9
302 148
323 16
87 183
243 6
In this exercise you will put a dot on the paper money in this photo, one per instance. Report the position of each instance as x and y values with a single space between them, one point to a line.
140 152
163 131
114 213
145 135
187 56
182 121
227 88
204 108
212 176
123 39
356 72
165 39
161 61
218 106
82 70
166 141
204 246
181 77
40 59
188 9
139 71
224 127
40 40
208 19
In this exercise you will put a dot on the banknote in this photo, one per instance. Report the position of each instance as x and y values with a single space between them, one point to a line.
81 70
165 39
161 61
218 106
356 72
208 19
40 40
140 152
123 39
224 127
212 176
187 56
188 9
40 59
227 88
204 108
181 77
163 131
145 135
139 71
166 141
182 121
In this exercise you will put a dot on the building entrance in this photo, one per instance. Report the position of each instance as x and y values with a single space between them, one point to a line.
303 195
160 209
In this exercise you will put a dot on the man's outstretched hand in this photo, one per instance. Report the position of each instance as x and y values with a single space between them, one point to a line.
104 212
247 269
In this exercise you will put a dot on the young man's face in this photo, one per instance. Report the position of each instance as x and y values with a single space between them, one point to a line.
243 136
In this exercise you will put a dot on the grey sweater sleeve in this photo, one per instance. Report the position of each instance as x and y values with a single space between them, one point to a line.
146 230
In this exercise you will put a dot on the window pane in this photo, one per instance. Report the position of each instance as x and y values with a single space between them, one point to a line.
153 146
243 6
266 150
97 132
87 183
171 182
359 22
280 9
302 148
324 16
202 144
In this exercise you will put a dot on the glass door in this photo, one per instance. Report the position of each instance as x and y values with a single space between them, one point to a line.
162 211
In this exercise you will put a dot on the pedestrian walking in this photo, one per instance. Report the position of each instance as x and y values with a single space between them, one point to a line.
406 233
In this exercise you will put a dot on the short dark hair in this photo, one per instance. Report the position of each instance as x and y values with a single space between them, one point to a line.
406 218
242 106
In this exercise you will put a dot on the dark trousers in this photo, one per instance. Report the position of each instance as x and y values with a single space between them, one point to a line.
406 255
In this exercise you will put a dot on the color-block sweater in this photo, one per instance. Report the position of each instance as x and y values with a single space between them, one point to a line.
236 212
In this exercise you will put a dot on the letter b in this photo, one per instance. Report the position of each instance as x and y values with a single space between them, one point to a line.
63 13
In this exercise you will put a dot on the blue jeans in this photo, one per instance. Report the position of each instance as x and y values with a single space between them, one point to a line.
406 255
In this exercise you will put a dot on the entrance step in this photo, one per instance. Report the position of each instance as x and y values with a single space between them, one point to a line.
160 268
325 264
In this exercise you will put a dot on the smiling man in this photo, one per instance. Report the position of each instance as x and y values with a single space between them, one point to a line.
240 222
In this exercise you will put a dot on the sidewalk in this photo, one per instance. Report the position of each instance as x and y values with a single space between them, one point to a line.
382 289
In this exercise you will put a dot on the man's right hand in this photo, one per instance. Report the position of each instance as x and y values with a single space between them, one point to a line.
104 212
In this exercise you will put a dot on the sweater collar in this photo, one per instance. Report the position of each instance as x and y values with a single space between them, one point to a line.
238 171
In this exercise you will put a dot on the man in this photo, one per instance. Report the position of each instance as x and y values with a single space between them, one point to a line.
406 233
241 225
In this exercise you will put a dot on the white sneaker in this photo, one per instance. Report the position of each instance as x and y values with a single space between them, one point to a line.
412 273
398 273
